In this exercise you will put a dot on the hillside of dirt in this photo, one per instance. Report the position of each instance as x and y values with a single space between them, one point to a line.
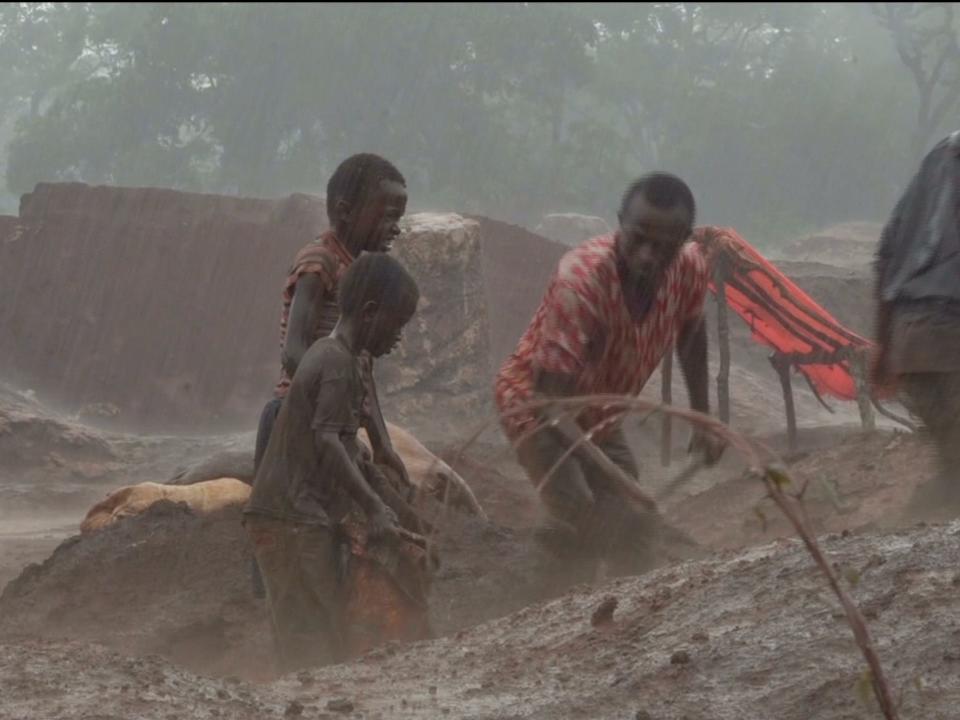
741 635
135 282
851 244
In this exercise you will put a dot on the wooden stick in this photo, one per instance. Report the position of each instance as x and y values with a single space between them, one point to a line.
666 394
858 363
793 510
723 341
892 415
783 371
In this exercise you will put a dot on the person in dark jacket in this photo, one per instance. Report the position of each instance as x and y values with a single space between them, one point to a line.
918 315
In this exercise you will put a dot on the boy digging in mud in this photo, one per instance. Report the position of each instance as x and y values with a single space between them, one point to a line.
312 467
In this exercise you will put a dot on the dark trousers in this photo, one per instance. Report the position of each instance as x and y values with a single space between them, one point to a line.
299 564
585 506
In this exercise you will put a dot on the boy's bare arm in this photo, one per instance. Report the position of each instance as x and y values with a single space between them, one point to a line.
338 464
302 321
380 443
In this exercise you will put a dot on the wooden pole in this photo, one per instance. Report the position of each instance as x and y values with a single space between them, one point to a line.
782 366
858 364
723 340
666 396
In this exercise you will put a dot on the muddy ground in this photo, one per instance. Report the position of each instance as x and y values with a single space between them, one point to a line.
751 634
154 617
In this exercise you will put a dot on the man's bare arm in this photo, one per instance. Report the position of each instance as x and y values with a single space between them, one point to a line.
302 321
692 352
559 386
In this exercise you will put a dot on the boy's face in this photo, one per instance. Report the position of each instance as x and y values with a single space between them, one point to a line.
385 326
373 225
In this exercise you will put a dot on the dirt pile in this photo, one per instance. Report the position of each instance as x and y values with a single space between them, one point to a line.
177 585
80 680
742 635
861 482
157 310
850 244
571 228
106 293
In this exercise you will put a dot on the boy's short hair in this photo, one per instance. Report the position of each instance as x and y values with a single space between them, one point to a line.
356 176
376 277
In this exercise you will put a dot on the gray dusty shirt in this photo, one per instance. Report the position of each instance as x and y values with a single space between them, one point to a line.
295 482
918 257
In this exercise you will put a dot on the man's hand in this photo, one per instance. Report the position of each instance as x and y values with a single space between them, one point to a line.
709 446
383 524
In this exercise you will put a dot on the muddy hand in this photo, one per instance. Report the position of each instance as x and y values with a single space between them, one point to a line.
707 446
383 525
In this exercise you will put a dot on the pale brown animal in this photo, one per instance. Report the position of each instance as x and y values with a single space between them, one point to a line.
428 473
202 498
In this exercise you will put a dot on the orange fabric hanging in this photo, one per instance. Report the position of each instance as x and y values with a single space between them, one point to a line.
781 315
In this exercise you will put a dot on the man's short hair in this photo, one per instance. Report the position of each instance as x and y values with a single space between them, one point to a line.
356 176
663 191
376 277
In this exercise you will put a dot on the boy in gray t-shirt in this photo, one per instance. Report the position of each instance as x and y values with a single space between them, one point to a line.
310 469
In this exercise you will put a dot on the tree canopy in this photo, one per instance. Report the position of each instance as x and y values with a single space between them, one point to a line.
782 116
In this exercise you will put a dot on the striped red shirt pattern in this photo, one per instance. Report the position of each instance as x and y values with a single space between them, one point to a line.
328 259
584 329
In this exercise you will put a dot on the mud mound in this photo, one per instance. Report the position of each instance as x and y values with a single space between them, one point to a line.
864 481
78 680
167 583
130 277
754 635
170 583
745 635
851 244
571 228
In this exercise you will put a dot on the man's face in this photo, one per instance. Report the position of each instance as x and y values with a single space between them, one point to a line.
374 223
650 238
386 326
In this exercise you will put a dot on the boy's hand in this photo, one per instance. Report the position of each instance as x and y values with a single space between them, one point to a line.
392 460
383 524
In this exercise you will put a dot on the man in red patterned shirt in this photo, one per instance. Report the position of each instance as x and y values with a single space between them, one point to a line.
614 307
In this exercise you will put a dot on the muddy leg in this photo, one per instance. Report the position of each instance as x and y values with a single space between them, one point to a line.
567 500
935 398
